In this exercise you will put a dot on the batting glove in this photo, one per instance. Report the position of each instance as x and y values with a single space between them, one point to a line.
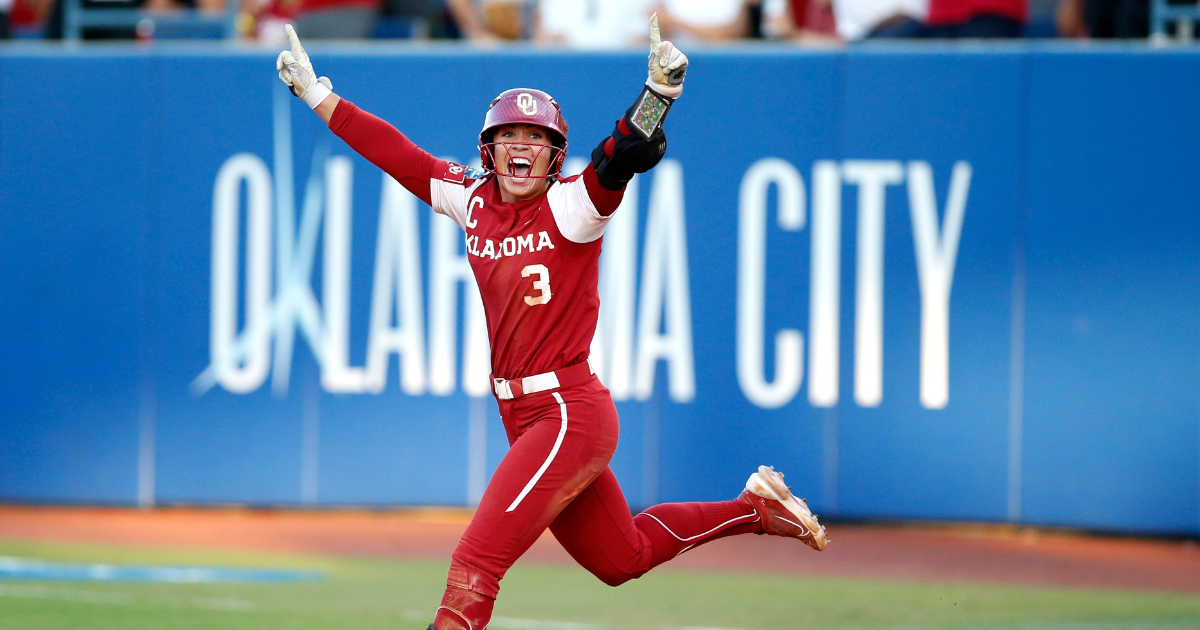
667 64
297 72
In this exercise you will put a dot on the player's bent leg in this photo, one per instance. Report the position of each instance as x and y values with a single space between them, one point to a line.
599 532
561 442
601 535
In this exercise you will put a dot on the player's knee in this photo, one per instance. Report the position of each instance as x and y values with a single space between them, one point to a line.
614 576
615 579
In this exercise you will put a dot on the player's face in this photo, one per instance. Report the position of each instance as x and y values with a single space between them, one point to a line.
524 153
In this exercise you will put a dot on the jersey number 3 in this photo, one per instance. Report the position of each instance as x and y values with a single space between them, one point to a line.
542 284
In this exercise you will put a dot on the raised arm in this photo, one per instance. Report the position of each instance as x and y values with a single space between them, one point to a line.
637 142
382 144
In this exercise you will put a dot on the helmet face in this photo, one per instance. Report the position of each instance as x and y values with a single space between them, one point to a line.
524 106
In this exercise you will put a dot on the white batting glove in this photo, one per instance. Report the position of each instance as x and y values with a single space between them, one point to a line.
668 64
297 72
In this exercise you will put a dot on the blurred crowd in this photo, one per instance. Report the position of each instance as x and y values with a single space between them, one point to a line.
610 24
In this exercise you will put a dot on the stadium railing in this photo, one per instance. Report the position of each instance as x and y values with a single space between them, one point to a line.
1184 16
194 22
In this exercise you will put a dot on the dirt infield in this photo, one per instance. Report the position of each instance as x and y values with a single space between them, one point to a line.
967 553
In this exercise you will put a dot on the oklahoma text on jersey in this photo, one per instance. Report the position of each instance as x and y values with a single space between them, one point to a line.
536 261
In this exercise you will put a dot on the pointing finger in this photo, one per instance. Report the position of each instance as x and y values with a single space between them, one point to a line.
297 49
655 36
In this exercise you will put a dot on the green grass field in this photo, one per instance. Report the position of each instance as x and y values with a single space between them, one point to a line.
365 594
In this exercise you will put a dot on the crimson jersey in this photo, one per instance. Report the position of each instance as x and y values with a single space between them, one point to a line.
536 261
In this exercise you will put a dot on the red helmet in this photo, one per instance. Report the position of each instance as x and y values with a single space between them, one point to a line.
531 107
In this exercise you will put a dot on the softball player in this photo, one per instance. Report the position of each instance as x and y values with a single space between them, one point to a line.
533 239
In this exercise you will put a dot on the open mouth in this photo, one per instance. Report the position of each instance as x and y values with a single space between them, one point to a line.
519 167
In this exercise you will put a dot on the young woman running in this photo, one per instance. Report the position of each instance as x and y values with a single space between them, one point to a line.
533 239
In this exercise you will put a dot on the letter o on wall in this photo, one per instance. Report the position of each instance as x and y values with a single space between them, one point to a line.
245 371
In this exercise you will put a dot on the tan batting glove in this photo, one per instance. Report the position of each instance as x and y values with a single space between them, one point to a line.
668 64
297 72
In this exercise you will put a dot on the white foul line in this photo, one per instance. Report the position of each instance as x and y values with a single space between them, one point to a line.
122 599
515 623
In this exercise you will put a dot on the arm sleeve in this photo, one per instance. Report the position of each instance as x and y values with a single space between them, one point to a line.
384 146
636 145
605 200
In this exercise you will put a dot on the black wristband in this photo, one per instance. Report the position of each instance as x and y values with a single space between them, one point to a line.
648 112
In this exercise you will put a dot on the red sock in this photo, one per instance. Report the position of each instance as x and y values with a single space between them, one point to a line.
463 610
673 528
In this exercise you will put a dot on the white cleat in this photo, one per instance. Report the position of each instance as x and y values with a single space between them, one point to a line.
781 512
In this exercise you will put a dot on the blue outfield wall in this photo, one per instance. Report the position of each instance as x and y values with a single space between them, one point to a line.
936 282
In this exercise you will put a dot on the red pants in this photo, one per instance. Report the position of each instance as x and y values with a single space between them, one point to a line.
556 475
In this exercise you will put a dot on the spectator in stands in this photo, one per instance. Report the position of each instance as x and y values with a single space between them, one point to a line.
337 19
863 19
976 18
5 10
489 20
416 19
263 20
702 20
803 21
23 18
938 19
594 24
1122 19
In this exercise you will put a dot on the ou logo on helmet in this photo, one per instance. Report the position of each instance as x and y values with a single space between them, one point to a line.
527 103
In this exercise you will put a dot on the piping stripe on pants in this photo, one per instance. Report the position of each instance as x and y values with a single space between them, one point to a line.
715 529
562 432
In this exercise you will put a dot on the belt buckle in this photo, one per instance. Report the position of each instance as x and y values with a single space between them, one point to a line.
502 388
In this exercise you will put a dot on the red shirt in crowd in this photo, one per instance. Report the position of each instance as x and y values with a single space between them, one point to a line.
947 12
321 5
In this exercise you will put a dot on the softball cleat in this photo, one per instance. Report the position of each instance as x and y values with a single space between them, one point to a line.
781 512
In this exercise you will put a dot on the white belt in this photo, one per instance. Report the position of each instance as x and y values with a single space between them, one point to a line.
509 389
